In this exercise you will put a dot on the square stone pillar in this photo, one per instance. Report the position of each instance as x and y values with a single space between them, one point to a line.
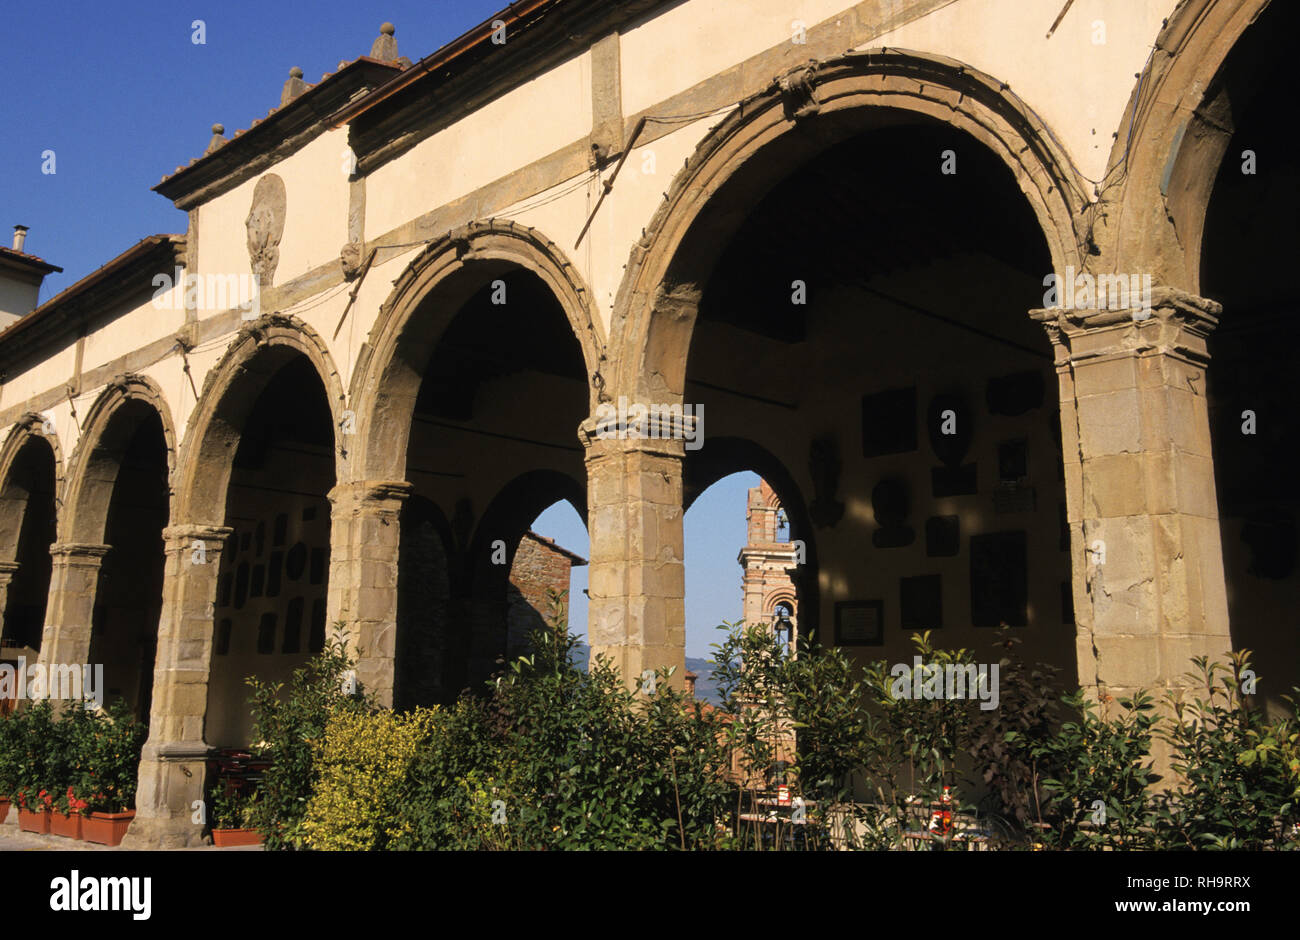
172 766
637 582
7 571
70 611
1147 562
364 547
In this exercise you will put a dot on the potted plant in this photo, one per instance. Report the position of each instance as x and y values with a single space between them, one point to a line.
65 815
10 744
232 815
34 816
113 760
27 745
68 758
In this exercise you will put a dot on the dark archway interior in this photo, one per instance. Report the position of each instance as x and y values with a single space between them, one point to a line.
1252 234
866 325
31 482
493 443
128 598
270 606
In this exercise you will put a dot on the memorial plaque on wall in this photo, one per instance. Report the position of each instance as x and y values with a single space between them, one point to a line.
951 425
889 422
1013 395
920 602
953 481
942 536
860 623
1013 492
999 579
890 504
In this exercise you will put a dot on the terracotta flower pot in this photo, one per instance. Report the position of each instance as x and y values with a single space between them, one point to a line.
65 824
29 821
106 828
4 809
228 838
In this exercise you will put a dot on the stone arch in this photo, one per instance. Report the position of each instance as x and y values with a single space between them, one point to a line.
801 113
776 598
722 456
780 597
203 470
93 467
1173 137
390 368
30 427
31 478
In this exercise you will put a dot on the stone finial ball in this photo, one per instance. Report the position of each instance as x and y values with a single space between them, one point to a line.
218 128
388 29
295 72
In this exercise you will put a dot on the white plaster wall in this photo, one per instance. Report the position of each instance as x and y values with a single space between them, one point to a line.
638 191
316 216
16 300
355 333
687 44
316 219
1079 88
542 116
141 325
55 371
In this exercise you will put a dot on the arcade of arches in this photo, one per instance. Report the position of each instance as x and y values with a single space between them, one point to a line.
951 451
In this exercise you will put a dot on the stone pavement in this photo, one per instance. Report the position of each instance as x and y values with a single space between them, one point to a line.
13 839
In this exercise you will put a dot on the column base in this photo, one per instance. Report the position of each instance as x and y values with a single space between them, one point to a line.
164 833
169 798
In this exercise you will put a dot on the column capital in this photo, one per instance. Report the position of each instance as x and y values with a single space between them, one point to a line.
79 552
663 435
377 494
186 532
1174 323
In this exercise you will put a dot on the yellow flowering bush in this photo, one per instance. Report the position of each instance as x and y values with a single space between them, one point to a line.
364 762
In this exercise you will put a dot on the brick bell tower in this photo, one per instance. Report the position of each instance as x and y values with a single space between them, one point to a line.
767 561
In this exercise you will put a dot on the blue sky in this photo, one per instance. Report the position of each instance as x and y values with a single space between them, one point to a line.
715 533
122 95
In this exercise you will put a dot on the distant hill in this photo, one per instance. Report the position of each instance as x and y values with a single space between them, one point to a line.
705 689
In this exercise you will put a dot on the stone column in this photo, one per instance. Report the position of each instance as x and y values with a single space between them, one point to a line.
1145 547
364 548
637 583
172 766
7 571
74 578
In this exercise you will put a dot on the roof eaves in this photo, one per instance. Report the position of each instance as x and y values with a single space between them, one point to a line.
278 126
67 300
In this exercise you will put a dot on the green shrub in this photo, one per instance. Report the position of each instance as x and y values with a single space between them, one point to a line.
110 745
552 756
556 757
593 764
235 809
84 760
1237 784
289 723
1004 739
1098 797
363 762
34 759
453 782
